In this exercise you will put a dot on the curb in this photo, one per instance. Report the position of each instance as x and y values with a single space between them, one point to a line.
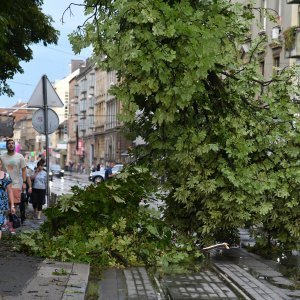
77 284
57 280
230 283
52 279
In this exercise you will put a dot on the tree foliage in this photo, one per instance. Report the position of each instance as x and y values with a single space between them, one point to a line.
225 139
22 23
106 225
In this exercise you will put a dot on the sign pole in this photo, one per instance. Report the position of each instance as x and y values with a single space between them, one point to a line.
40 120
45 107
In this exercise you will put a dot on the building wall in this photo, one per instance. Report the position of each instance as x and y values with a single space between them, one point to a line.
61 136
99 135
72 123
286 15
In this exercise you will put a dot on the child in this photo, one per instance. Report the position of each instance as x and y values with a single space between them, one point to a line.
6 194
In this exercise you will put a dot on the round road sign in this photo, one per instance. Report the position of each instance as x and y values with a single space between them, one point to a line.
38 121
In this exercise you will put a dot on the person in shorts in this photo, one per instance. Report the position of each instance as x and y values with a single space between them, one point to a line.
14 163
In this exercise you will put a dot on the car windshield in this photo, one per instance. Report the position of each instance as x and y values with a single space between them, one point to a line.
55 167
117 168
31 165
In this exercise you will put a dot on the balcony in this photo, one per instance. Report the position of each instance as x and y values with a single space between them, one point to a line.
276 40
292 42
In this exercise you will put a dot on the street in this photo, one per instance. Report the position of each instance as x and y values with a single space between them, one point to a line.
63 185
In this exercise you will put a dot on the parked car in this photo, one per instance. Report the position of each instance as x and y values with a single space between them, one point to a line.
99 176
56 170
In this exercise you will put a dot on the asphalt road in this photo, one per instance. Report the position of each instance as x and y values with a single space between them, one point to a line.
63 185
15 265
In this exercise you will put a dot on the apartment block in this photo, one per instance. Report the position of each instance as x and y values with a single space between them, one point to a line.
276 54
94 131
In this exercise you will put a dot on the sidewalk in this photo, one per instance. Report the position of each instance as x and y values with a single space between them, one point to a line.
233 274
77 175
25 278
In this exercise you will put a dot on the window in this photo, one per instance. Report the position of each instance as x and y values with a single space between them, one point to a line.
82 105
111 78
76 90
262 68
82 124
276 62
91 101
91 121
83 86
111 118
91 82
276 65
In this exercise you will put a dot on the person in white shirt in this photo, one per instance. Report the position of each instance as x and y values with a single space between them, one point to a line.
13 162
38 195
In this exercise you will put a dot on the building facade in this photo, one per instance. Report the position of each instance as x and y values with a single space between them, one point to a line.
95 127
274 56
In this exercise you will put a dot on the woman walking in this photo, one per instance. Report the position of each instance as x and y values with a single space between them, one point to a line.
6 195
38 195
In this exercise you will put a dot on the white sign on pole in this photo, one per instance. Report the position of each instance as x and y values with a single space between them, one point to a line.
37 100
38 121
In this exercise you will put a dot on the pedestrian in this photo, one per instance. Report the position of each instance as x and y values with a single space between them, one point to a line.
25 196
6 195
108 171
71 164
29 185
14 163
38 195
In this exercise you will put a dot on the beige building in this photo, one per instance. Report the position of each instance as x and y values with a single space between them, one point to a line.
24 133
95 136
58 141
275 55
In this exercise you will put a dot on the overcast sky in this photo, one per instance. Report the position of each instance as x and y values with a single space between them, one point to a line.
52 61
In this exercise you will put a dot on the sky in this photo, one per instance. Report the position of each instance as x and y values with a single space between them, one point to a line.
53 60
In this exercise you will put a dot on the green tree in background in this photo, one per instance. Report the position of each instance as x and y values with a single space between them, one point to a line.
225 140
22 23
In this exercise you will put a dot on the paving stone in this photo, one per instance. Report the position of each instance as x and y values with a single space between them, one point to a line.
246 281
139 285
280 280
199 286
113 285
